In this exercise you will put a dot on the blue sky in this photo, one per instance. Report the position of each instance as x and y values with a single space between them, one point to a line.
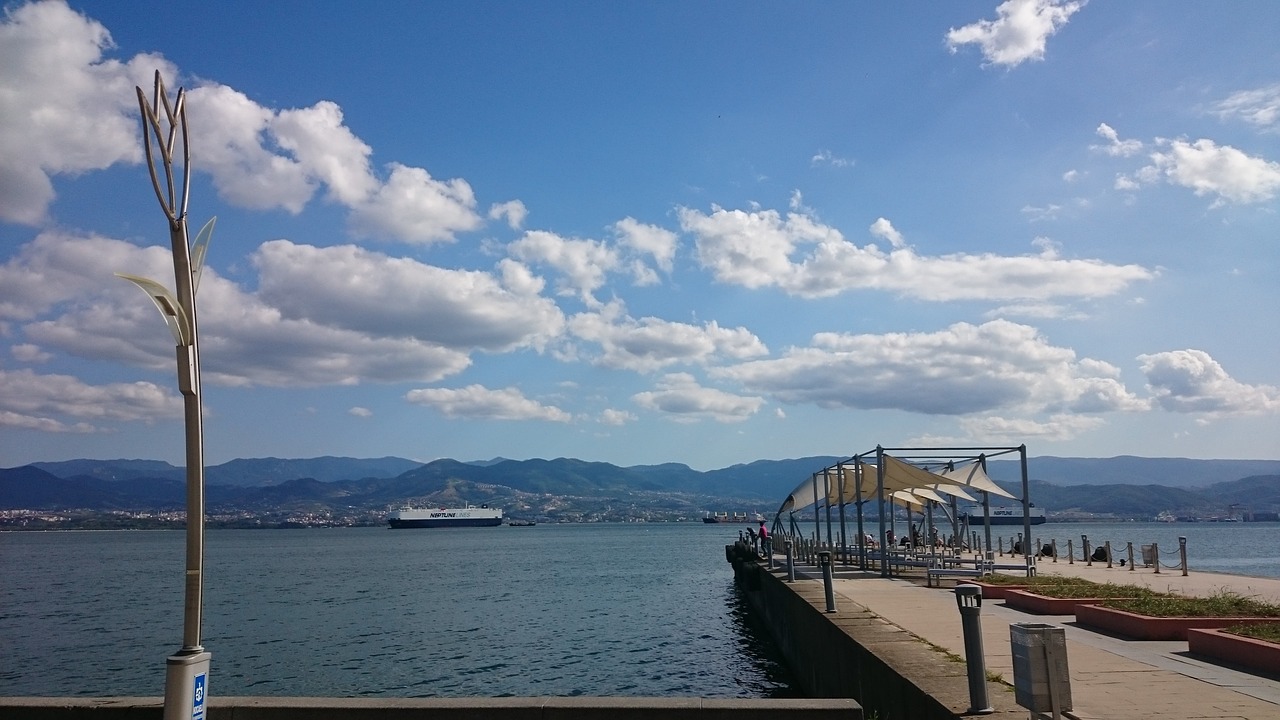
638 233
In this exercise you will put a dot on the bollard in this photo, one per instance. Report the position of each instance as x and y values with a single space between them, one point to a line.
1084 545
1071 554
828 582
969 600
1130 545
791 562
1000 545
1182 550
1053 545
1108 547
1155 554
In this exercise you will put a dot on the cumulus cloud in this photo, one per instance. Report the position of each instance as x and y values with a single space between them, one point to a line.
479 402
826 157
1259 107
320 316
616 417
995 430
1190 381
61 403
68 109
648 240
1019 32
361 290
650 343
360 412
1212 169
963 369
582 264
684 400
65 108
759 249
513 211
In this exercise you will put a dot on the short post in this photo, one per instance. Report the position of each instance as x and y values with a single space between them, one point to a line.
1053 546
1182 551
1071 554
828 582
1107 545
1039 549
1130 557
768 550
791 562
1155 555
1000 545
969 600
1084 545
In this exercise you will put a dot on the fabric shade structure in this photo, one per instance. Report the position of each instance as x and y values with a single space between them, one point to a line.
898 475
909 499
954 491
975 478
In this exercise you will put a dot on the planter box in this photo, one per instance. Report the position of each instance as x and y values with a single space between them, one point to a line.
1235 649
1147 627
991 591
1027 601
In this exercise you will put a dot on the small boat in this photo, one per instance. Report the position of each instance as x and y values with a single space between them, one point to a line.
724 517
521 523
469 516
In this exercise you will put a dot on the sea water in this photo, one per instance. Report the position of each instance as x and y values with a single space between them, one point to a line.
551 610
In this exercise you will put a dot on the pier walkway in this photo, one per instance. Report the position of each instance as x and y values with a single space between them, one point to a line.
1112 678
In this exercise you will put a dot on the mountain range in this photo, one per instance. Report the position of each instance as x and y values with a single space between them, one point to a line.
567 488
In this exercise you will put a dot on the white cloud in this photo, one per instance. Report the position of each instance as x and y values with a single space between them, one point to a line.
882 228
650 240
51 402
479 402
1116 147
1191 381
961 370
1221 170
28 353
583 264
616 417
825 157
994 430
360 412
64 108
650 343
755 249
1259 107
680 396
1037 310
1018 33
415 207
513 210
360 290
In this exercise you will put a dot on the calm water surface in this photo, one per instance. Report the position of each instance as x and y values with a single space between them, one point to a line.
552 610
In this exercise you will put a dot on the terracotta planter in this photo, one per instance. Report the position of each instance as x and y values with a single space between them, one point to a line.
1027 601
1147 627
991 591
1235 649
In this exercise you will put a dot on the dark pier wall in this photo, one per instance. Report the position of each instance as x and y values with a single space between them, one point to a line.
852 653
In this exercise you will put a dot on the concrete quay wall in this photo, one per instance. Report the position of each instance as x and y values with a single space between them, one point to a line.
852 653
510 708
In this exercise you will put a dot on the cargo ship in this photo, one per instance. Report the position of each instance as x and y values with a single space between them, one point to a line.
1005 516
469 516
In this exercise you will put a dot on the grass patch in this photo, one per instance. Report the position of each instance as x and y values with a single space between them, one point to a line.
1033 581
1267 632
1223 604
1095 590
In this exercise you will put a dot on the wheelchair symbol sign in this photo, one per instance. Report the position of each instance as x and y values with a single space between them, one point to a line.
198 697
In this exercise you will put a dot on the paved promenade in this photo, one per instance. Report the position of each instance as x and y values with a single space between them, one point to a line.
1111 678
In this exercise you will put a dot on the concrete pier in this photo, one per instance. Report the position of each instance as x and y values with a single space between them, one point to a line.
909 647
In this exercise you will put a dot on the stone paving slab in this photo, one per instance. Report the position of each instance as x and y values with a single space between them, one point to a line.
1111 677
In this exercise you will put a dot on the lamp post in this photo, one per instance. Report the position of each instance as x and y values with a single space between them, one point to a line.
163 124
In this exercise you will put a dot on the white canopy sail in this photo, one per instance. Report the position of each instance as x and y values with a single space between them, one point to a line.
974 477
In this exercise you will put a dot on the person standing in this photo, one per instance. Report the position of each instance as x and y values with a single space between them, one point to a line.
766 544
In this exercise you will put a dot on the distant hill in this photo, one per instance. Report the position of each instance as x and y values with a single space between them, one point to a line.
546 486
1130 470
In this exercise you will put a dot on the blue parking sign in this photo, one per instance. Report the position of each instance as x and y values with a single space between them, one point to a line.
197 698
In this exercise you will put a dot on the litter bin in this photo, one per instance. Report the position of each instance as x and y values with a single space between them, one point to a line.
1041 681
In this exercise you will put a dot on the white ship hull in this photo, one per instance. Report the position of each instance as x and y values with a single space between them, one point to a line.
1005 516
445 517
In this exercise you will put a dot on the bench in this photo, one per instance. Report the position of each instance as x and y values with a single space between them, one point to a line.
940 573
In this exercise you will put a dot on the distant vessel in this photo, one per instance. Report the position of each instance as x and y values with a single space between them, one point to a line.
724 517
1005 516
469 516
521 523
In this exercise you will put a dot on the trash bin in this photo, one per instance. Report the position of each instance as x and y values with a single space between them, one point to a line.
1148 555
1041 681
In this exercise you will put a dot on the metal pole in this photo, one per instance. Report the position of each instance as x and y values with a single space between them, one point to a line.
1182 550
969 599
986 506
884 545
1155 554
862 533
1084 545
1026 513
1130 549
828 581
844 540
1107 545
791 562
826 494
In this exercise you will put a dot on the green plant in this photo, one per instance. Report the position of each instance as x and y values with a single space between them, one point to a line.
1223 604
1267 632
1094 590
